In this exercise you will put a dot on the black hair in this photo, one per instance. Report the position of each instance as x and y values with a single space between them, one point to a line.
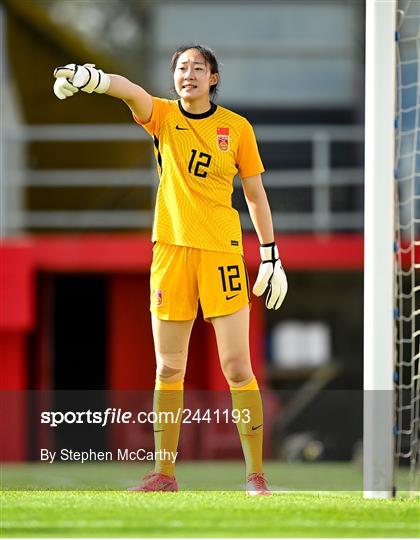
208 56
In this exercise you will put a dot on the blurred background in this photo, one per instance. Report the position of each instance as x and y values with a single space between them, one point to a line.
78 183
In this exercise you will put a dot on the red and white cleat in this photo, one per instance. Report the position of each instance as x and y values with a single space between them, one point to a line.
154 481
256 485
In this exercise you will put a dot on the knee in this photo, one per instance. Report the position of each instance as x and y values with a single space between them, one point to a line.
237 372
170 367
169 375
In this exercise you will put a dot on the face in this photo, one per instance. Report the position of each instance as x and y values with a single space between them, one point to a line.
192 77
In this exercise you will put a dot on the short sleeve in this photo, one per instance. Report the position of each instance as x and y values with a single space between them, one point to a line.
248 158
159 110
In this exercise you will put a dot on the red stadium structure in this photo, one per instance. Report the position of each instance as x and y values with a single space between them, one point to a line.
125 260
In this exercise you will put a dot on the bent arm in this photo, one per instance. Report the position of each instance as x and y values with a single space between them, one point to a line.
139 101
259 209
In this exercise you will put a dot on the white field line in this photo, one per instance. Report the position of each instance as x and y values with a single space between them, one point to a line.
33 524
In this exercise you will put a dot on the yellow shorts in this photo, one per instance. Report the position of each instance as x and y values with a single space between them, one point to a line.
180 276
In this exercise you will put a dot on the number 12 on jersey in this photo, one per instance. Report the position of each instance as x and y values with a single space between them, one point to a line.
195 164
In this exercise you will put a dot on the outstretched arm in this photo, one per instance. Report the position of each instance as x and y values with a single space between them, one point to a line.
139 101
72 78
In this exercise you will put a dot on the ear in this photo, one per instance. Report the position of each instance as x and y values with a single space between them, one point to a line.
214 78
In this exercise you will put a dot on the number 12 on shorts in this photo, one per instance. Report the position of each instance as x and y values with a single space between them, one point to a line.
230 276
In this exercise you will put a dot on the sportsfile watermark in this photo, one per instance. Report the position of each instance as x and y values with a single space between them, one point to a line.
113 415
94 440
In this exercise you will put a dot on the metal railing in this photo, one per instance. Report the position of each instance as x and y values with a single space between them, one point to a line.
320 178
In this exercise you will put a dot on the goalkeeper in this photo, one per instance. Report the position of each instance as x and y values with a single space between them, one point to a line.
197 254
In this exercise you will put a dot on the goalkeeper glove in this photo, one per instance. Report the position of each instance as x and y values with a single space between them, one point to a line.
72 78
271 277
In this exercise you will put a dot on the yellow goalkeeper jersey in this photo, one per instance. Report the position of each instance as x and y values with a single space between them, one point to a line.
198 156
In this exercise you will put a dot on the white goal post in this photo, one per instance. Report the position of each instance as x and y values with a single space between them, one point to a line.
379 342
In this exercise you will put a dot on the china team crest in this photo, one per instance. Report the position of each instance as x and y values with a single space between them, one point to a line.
158 297
223 139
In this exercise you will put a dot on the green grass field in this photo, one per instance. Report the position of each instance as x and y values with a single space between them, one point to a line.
69 500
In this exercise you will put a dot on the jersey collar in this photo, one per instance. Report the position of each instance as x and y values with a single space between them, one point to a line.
199 116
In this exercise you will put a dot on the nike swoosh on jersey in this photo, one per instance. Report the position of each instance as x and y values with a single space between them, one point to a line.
256 427
179 128
230 297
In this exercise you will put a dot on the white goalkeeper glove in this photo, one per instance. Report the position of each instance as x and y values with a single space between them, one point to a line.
271 277
72 78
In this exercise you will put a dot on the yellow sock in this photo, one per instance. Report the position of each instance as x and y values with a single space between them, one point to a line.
168 397
248 398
